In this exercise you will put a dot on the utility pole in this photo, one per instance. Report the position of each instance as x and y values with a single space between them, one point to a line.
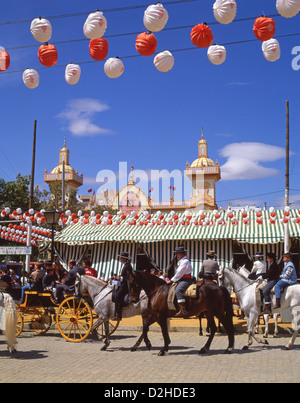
29 228
32 167
287 177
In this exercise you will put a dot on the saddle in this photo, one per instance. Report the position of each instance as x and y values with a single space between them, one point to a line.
191 292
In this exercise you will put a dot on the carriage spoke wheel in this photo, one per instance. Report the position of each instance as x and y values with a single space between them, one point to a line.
20 324
113 325
41 321
74 320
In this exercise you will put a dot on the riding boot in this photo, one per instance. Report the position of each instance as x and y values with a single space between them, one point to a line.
277 305
267 310
182 311
118 312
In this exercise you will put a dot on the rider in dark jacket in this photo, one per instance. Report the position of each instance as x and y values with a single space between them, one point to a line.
123 288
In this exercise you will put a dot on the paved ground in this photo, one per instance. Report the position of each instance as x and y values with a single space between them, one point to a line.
51 358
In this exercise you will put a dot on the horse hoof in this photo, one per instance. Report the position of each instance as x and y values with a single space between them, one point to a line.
103 348
285 348
266 343
133 349
228 351
202 351
245 348
161 353
149 346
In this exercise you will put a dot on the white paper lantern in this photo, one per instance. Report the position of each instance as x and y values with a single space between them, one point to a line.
155 17
271 50
164 61
41 29
95 25
114 67
216 54
72 73
225 11
288 8
31 78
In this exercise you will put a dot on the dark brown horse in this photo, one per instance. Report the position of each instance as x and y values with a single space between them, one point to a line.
211 300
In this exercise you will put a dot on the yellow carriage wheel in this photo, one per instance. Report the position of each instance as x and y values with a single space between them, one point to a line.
20 324
41 321
74 320
113 325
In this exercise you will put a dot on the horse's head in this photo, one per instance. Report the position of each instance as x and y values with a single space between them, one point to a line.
79 289
223 280
134 287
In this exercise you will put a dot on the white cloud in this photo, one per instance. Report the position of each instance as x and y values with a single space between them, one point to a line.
79 115
244 160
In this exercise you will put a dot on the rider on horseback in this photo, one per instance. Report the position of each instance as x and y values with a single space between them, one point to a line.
123 289
183 278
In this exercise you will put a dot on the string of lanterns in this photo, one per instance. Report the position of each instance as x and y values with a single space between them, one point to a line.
155 20
144 219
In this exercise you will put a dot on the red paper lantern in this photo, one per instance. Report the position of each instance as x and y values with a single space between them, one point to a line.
98 49
47 55
264 28
4 60
146 44
202 36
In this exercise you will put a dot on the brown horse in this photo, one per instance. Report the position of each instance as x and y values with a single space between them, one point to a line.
211 300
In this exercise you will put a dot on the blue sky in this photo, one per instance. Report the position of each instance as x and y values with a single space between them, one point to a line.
150 119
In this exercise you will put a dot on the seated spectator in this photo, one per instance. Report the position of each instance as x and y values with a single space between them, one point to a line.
49 280
89 271
69 283
35 280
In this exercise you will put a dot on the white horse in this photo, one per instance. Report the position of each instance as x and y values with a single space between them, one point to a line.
8 321
242 270
245 290
101 295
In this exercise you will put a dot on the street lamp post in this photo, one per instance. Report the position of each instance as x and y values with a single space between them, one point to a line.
52 217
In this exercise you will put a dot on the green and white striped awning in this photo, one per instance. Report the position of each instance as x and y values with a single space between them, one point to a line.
265 233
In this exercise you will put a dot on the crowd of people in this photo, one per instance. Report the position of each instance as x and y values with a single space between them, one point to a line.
45 276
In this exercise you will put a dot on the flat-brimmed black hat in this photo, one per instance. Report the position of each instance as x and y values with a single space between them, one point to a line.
180 249
124 255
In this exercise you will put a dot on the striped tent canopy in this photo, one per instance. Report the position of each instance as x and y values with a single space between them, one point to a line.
103 244
265 233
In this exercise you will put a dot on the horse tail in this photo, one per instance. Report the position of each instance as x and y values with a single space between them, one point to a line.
228 305
10 322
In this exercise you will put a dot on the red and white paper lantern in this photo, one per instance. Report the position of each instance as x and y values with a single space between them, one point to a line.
216 54
264 28
95 25
4 60
146 44
225 11
155 17
114 67
202 36
271 50
164 61
41 29
288 8
72 73
47 55
98 48
31 78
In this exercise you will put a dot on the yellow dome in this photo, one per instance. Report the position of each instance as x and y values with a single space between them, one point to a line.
203 161
59 168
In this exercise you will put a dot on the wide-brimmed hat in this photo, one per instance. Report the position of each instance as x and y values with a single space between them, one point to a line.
258 254
124 255
180 249
211 253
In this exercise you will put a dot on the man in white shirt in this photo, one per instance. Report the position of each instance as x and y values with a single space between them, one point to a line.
183 278
259 267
